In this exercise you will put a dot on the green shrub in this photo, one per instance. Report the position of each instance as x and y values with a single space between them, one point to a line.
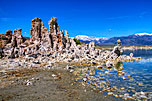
77 41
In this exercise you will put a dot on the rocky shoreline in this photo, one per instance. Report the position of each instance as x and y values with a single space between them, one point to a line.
22 80
23 84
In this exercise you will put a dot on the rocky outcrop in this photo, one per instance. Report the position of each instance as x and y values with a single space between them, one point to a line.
54 31
2 40
17 38
52 43
54 27
9 36
36 29
52 40
118 49
12 43
5 38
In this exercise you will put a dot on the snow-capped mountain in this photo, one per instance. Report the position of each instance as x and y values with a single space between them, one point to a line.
142 34
135 39
87 39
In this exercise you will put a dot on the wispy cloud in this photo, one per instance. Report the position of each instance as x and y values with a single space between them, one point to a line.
2 13
142 14
3 19
119 17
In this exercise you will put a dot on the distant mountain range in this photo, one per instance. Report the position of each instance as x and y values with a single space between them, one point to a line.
87 39
136 39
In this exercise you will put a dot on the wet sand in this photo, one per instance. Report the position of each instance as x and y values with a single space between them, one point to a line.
45 85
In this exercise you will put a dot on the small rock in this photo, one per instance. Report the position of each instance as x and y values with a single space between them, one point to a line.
29 83
85 79
94 62
109 64
53 75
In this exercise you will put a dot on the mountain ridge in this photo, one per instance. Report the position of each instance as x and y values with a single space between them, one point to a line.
135 39
87 39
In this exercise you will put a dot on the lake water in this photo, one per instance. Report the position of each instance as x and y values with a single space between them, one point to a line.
141 70
145 54
129 80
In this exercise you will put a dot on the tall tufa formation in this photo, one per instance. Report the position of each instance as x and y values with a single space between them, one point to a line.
36 29
17 38
5 38
42 41
54 29
9 36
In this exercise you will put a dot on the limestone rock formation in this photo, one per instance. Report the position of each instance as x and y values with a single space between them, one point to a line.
5 38
17 38
9 36
36 29
54 27
12 43
51 43
118 49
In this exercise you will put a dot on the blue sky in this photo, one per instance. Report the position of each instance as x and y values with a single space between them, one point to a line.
101 18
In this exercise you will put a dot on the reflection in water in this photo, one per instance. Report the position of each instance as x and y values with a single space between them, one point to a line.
118 67
116 81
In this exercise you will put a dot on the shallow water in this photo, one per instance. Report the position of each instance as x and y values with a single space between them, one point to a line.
146 54
125 79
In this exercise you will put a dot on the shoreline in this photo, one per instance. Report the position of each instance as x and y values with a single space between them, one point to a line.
20 84
33 82
145 47
124 47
